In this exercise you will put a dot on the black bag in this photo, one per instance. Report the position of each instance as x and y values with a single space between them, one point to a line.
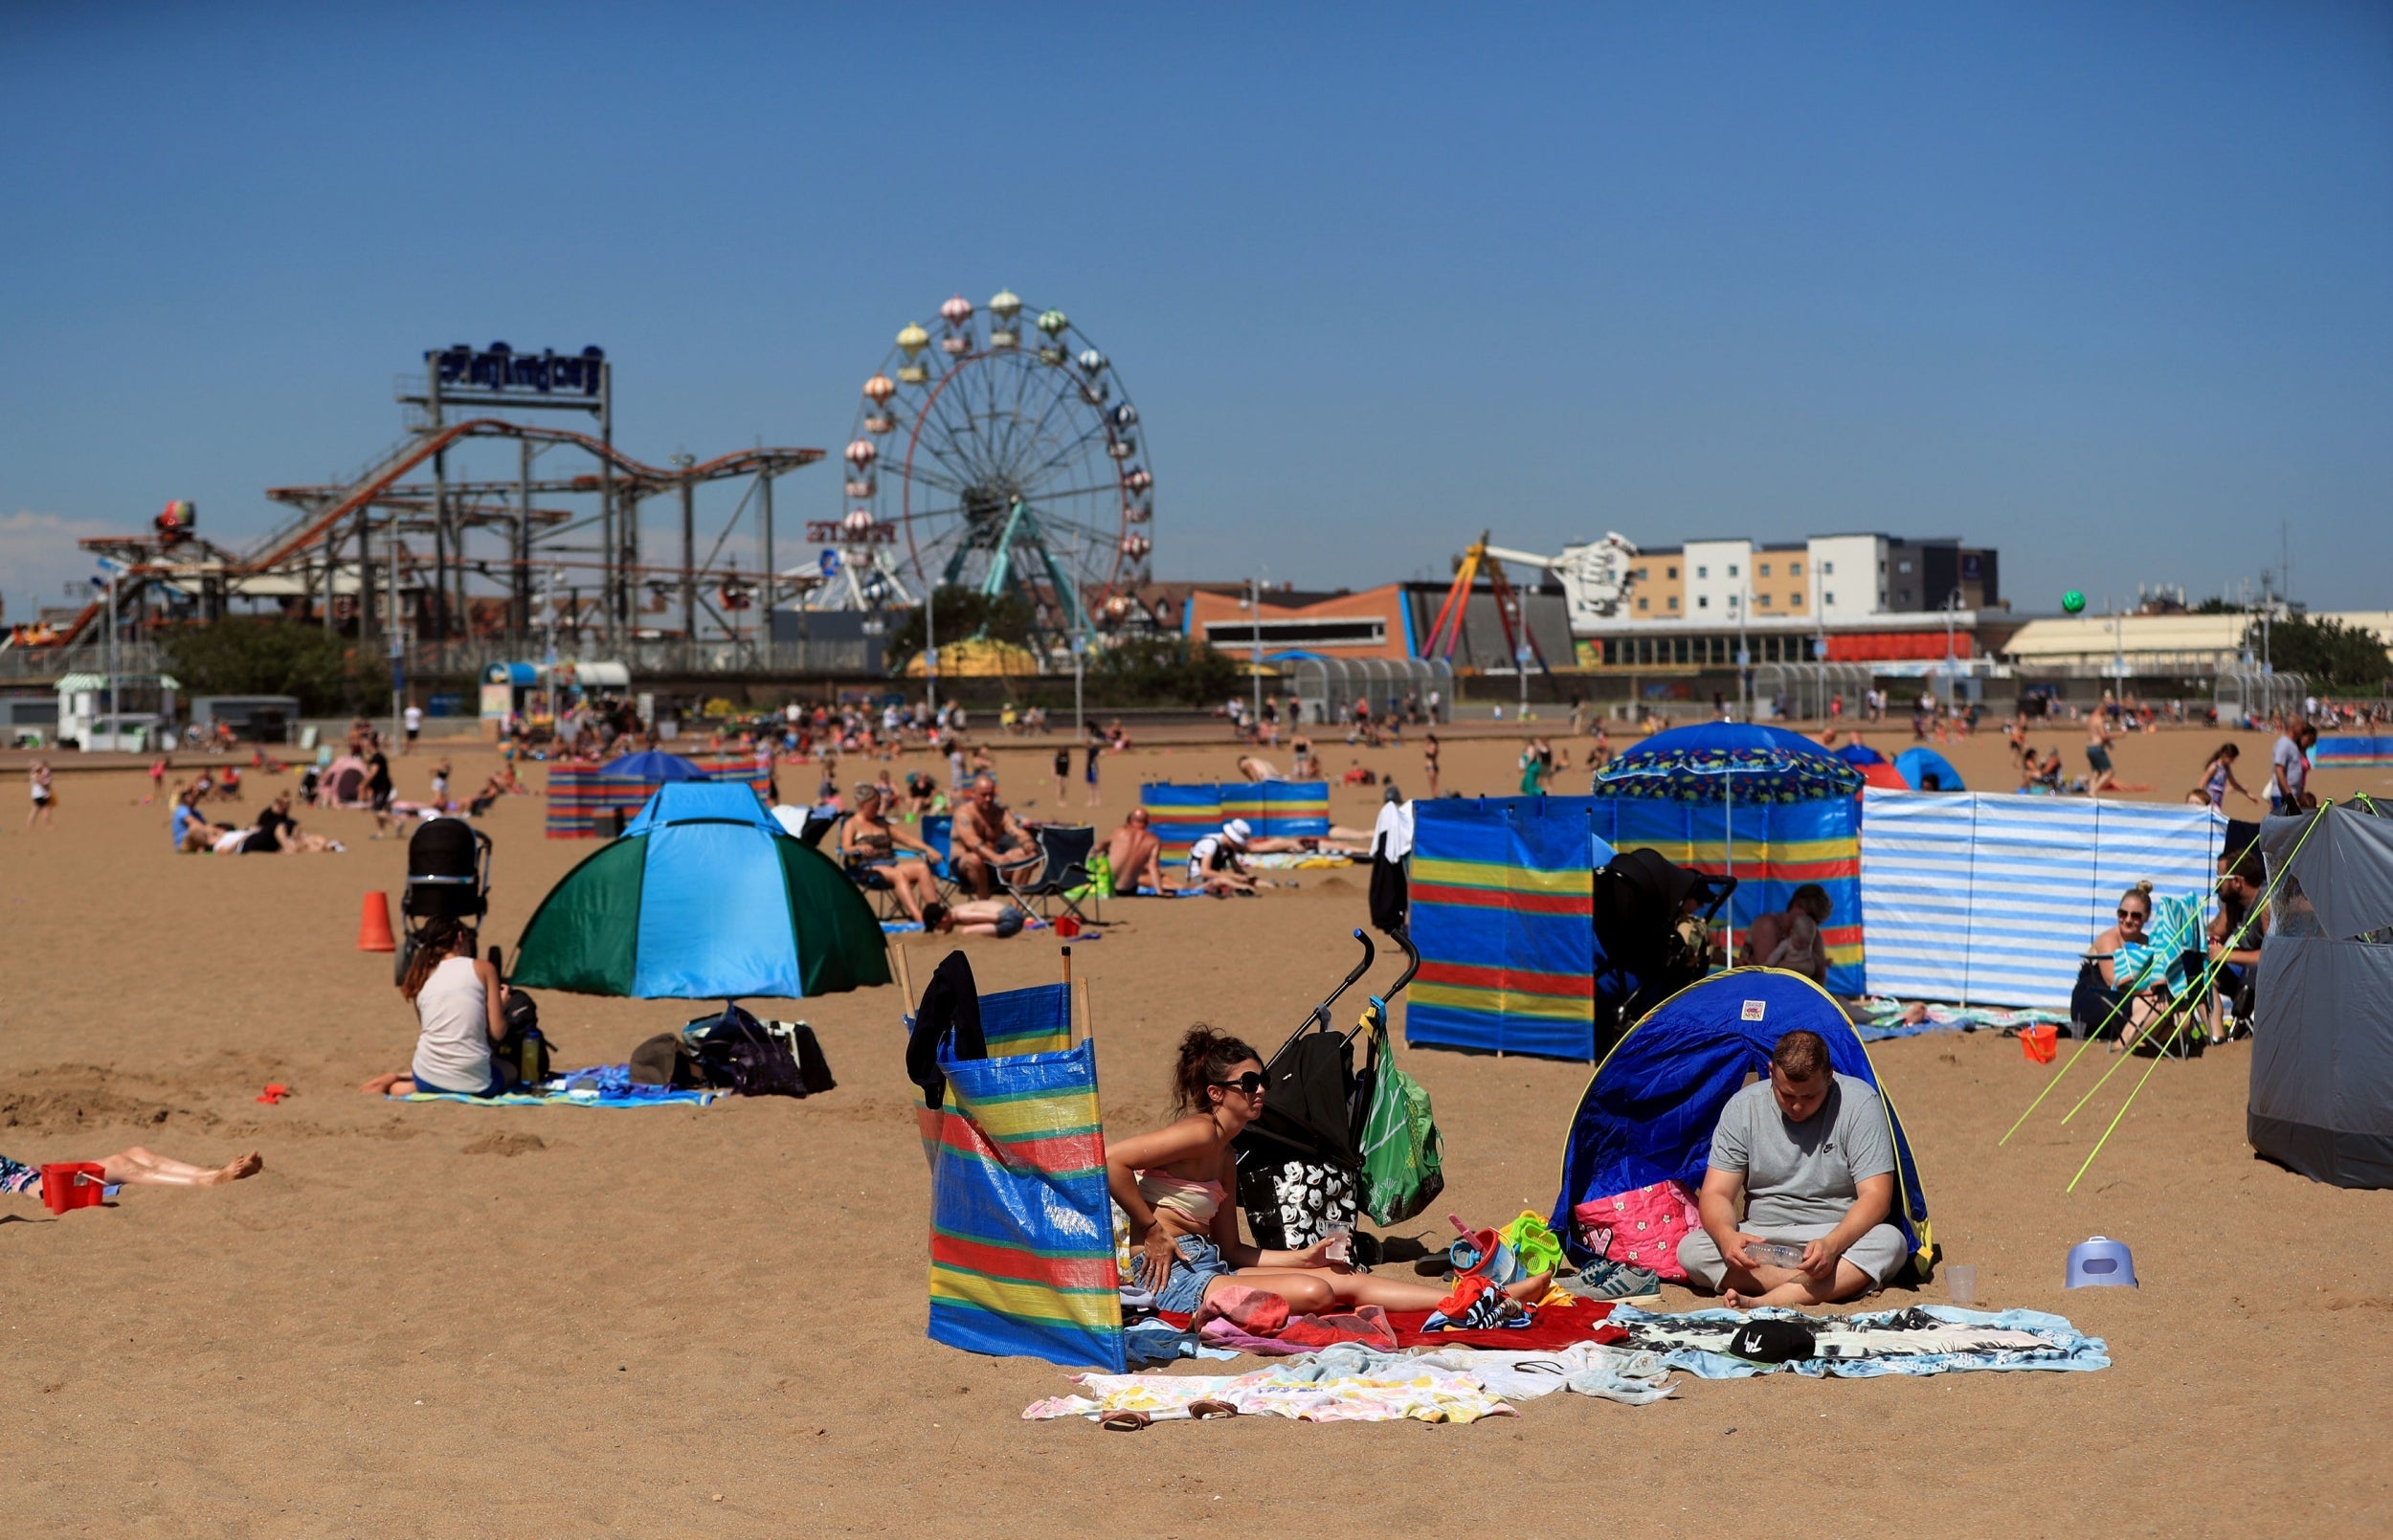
742 1054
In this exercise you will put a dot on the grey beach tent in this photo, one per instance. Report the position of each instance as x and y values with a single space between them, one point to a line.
2322 1049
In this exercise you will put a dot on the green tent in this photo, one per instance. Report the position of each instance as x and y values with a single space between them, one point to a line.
704 896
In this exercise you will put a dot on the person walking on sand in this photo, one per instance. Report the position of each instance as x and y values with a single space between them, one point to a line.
1429 761
45 798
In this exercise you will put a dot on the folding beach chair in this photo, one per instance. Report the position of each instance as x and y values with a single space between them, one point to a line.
938 832
1063 851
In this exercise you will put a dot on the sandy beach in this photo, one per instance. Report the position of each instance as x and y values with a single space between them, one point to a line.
451 1320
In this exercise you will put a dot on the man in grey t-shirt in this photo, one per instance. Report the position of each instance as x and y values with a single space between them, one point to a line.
1808 1154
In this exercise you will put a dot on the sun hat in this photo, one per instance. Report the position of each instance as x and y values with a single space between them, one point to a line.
1239 831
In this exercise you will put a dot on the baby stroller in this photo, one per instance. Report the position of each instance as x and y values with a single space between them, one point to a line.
1300 1163
1652 945
448 878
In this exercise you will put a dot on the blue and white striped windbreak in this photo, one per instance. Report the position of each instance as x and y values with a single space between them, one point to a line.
1994 900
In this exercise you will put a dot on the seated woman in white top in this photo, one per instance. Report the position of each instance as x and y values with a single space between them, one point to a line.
463 1008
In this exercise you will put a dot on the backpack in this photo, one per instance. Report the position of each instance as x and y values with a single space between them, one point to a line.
1402 1166
524 1046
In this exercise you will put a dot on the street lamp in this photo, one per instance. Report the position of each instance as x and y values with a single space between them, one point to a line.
1253 632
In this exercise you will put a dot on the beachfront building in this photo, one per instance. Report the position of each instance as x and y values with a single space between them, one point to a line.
1901 606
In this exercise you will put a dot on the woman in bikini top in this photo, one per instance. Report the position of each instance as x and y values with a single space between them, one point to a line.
1171 1185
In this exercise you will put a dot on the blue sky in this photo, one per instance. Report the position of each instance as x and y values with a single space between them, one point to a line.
2108 287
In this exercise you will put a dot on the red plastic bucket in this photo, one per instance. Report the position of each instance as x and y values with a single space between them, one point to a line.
1067 926
72 1185
2040 1043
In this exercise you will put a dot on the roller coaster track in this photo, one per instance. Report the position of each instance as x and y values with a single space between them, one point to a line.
639 478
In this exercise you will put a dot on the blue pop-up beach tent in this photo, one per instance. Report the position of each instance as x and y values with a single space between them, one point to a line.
704 896
1649 1112
653 764
1917 764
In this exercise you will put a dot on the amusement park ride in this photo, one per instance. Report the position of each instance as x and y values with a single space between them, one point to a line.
395 535
1596 582
995 449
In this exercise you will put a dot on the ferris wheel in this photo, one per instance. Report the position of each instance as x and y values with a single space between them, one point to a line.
997 450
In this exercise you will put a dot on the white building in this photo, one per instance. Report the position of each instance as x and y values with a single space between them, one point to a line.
1848 576
1718 574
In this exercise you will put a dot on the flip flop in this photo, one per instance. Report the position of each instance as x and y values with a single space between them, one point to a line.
1200 1410
1124 1421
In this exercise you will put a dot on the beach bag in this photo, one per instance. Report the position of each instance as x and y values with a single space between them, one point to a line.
1290 1204
1641 1227
1404 1170
752 1058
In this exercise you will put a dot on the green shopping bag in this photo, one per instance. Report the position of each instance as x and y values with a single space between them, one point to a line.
1402 1169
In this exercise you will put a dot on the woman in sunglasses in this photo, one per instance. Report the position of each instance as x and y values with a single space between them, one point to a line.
1173 1187
2134 914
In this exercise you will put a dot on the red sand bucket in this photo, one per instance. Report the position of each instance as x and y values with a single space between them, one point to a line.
72 1185
2041 1045
1067 926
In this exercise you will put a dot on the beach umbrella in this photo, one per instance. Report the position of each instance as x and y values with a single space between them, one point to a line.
1724 762
703 897
655 765
1917 764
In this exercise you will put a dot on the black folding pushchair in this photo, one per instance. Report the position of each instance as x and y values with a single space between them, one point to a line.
1653 943
448 878
1300 1163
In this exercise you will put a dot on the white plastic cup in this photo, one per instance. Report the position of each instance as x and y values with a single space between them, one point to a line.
1338 1244
1960 1281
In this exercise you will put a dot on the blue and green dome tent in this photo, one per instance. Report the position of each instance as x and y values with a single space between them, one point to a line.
1650 1110
703 897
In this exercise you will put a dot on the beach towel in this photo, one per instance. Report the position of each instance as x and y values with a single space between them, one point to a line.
556 1094
1859 1347
1306 1391
1879 1019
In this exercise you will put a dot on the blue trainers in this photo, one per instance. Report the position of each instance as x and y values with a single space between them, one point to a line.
1616 1283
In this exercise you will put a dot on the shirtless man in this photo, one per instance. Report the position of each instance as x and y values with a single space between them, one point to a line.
1136 855
987 837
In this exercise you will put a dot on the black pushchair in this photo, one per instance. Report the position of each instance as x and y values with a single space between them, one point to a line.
448 878
1300 1163
1653 944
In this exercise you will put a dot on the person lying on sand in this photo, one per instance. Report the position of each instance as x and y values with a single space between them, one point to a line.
974 917
1173 1186
1807 1157
140 1167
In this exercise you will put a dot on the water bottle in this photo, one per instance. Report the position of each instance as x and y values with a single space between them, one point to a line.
528 1056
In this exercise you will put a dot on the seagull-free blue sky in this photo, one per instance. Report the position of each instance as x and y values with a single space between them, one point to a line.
2108 286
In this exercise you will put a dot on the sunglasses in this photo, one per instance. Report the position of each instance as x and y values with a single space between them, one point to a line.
1251 1082
2134 914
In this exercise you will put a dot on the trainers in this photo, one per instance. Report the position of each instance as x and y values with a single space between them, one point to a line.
1616 1283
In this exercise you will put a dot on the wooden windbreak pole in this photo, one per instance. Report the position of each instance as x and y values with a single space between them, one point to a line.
905 977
